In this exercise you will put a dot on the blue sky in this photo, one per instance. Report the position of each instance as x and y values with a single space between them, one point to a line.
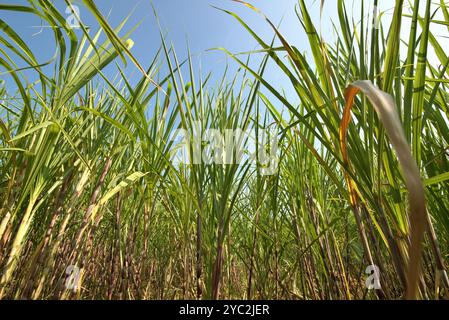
194 21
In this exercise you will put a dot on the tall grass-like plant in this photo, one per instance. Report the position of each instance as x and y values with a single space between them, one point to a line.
381 214
94 204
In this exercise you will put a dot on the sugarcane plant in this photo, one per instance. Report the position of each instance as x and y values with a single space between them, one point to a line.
114 188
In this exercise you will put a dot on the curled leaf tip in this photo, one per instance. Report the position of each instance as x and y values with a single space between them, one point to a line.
386 109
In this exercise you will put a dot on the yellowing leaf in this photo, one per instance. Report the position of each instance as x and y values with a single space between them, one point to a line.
123 184
248 5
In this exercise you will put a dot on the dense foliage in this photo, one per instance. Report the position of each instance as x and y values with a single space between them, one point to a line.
88 183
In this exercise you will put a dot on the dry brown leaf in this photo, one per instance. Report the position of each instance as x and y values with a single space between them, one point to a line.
385 107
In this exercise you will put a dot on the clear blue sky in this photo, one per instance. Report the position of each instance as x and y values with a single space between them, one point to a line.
194 20
202 25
